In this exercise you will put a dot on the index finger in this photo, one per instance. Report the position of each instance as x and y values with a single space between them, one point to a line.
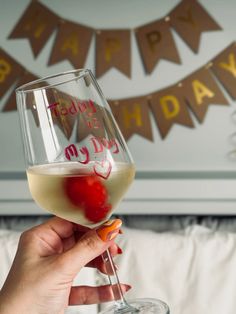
63 228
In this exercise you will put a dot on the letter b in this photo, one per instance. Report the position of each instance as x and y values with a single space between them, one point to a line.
5 69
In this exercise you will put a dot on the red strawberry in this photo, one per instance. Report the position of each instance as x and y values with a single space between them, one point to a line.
86 191
74 187
98 213
97 193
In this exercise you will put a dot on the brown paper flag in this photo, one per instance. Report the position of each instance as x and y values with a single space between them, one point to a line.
69 112
63 109
155 42
201 90
132 116
90 120
190 19
224 68
10 104
113 49
10 71
72 43
36 24
168 107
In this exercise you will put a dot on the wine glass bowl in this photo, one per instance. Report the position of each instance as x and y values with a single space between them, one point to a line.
77 162
78 165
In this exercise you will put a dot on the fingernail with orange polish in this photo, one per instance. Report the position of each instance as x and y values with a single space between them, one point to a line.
109 230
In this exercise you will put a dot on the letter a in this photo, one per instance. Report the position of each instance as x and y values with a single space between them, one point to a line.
201 91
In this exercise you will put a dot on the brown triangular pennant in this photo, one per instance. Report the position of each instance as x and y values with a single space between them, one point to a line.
132 116
113 49
224 68
156 42
190 20
201 90
90 121
64 110
168 107
36 24
10 104
72 43
10 71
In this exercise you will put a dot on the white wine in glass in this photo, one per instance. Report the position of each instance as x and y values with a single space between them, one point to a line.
75 193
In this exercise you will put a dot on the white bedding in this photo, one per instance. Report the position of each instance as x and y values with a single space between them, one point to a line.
194 271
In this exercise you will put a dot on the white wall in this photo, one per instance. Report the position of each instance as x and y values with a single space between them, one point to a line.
204 148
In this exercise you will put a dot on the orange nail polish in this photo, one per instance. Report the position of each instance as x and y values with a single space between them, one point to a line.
109 230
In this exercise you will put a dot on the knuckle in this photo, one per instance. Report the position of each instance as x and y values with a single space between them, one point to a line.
89 242
26 237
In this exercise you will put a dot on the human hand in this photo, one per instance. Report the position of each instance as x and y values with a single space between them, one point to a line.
48 258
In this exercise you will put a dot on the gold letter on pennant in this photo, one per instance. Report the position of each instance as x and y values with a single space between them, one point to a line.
231 67
38 25
71 43
188 19
170 112
5 69
201 91
112 45
135 115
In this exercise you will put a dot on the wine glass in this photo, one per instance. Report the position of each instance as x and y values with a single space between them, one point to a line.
78 164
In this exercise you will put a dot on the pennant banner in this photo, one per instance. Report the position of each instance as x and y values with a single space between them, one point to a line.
156 42
113 50
170 106
113 47
90 122
201 90
72 43
10 71
10 104
190 20
224 68
61 104
37 25
132 116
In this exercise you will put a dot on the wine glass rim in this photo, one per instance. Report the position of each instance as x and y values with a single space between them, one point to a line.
25 88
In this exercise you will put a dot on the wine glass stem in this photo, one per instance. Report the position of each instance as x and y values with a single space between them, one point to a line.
120 303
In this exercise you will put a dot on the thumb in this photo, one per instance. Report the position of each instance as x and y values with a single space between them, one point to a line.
92 244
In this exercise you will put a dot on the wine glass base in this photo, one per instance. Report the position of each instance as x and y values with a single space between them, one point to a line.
141 306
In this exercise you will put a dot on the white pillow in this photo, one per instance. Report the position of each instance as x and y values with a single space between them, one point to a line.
193 271
8 245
